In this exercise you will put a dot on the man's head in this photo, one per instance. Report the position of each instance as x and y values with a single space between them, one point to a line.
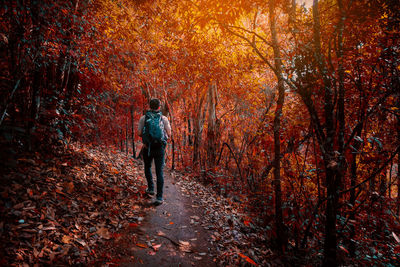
155 103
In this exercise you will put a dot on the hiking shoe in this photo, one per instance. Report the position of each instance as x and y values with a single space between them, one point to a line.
158 202
149 192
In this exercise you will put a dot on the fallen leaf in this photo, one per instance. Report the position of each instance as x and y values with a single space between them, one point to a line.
247 259
35 252
344 249
396 237
30 192
103 232
161 233
49 228
156 247
184 246
184 243
141 245
66 239
19 257
81 242
69 186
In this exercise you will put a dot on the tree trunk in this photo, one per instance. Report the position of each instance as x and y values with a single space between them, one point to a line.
189 135
121 142
126 137
353 182
133 132
398 180
331 163
198 130
37 72
173 155
280 231
212 125
398 158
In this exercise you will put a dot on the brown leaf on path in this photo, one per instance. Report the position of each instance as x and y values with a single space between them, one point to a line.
103 232
141 245
156 247
160 233
69 187
185 246
184 243
81 242
35 252
66 239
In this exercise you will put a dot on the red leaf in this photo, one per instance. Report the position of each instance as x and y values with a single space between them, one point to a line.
247 259
344 249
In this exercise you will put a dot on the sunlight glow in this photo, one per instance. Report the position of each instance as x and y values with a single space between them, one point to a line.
308 3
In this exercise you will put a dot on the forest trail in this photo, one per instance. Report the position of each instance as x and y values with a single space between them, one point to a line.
171 234
84 205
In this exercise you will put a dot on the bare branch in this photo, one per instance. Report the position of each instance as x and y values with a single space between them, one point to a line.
255 48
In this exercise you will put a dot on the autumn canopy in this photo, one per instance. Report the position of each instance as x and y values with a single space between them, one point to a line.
292 108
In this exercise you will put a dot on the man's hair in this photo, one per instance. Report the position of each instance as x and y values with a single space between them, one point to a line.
155 103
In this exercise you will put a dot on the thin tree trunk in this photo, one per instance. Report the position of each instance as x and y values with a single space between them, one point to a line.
37 71
121 143
212 125
398 180
353 182
280 231
398 158
133 132
126 137
189 135
173 154
341 117
198 129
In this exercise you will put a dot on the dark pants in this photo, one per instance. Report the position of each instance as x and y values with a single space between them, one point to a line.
158 155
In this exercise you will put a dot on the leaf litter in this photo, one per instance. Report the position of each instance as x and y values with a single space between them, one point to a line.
67 206
238 240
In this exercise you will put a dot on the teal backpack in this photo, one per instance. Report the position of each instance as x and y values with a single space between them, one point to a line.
153 131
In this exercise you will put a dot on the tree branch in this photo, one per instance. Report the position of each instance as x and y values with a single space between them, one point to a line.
375 173
253 45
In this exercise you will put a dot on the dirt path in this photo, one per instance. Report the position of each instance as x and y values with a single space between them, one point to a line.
171 234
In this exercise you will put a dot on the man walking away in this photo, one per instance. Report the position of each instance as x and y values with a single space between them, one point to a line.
154 128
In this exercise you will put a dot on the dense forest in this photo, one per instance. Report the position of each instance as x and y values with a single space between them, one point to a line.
290 108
